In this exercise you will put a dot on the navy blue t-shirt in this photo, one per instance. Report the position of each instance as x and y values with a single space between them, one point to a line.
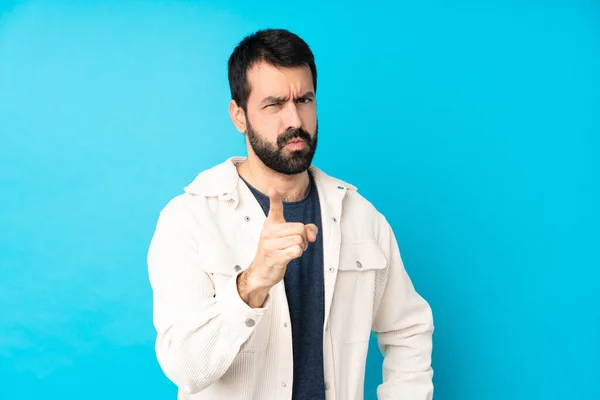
304 288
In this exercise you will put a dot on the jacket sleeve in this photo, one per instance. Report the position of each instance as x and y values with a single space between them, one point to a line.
199 332
403 323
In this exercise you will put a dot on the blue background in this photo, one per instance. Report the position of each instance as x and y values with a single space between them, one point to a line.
473 128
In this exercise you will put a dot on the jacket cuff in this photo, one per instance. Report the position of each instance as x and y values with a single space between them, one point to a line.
239 315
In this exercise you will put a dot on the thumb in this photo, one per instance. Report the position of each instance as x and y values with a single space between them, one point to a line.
311 232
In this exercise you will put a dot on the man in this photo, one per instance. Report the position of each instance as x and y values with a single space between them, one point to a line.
269 275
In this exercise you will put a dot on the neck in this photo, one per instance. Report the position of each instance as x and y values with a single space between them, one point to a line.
290 187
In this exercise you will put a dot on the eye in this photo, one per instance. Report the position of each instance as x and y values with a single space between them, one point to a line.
305 100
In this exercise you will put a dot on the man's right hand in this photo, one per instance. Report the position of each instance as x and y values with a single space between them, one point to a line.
280 242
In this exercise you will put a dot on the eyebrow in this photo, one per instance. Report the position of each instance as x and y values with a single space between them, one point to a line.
279 99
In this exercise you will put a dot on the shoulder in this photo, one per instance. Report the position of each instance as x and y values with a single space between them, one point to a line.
361 211
352 196
359 203
211 182
182 214
356 207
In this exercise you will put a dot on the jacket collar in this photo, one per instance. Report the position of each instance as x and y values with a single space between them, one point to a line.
222 180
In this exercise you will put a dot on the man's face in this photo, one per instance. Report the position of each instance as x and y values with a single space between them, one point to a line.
281 118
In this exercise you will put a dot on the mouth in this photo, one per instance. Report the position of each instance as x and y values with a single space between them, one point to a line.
296 144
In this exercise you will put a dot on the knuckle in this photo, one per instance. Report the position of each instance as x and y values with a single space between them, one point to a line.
297 251
268 247
297 227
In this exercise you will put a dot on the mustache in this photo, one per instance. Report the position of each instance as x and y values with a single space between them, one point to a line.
290 134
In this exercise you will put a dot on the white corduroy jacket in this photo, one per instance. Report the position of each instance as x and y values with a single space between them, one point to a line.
213 346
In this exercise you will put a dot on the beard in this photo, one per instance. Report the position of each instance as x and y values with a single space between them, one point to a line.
277 157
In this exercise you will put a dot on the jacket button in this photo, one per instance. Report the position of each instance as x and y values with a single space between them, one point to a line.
238 268
250 323
358 264
246 218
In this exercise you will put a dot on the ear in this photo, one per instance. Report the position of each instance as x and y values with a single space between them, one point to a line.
238 117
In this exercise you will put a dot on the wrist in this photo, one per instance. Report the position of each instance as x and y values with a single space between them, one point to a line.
251 292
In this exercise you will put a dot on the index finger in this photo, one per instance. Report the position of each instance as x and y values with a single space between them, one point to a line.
276 207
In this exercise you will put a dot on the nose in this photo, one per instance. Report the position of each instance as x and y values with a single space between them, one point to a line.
292 117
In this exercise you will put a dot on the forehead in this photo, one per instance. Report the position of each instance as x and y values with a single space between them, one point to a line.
267 80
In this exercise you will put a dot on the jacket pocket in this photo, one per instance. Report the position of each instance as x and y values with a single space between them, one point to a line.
353 301
361 257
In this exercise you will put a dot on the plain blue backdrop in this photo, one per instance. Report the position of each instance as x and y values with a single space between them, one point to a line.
473 126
